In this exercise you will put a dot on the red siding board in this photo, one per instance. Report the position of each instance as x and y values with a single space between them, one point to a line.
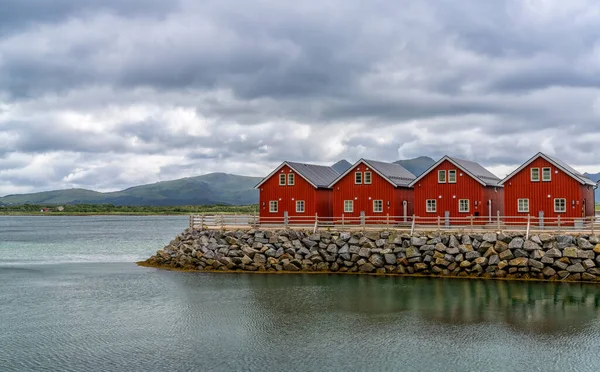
447 195
315 200
541 194
364 195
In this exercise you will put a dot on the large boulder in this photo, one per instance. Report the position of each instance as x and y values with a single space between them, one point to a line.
490 237
516 243
377 260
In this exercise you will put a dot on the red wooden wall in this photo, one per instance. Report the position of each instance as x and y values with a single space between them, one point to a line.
448 194
363 195
562 185
315 201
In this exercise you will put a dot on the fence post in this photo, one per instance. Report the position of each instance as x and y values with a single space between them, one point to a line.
471 218
412 227
498 219
316 223
342 219
439 221
191 222
235 219
528 226
387 219
253 220
593 220
222 222
559 223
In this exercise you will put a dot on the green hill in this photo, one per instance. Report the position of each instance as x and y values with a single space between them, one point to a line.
214 188
417 166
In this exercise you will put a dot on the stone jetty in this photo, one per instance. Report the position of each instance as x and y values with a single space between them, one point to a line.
489 255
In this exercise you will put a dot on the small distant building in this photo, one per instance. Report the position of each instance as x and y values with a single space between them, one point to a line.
454 188
547 187
296 192
373 189
60 208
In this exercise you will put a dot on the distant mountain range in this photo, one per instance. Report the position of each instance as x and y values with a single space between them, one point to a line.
214 188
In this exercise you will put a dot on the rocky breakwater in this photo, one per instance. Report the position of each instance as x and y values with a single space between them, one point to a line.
490 255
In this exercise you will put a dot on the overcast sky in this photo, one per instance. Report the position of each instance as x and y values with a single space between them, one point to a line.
106 94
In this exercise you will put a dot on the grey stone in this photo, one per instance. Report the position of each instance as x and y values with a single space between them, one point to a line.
441 247
345 236
563 241
469 256
521 253
586 254
536 239
519 261
516 243
553 253
308 243
506 255
587 276
271 252
466 240
584 244
547 260
577 268
412 252
452 251
490 237
418 242
377 260
366 268
536 264
364 252
500 246
537 254
561 265
390 259
453 242
530 246
545 237
494 260
548 271
588 264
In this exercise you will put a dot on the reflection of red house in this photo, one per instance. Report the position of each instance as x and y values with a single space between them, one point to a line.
546 186
297 191
373 189
454 188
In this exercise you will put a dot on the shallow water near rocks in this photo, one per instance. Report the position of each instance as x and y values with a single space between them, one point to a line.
73 300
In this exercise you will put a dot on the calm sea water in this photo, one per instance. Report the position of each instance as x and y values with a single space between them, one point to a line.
71 299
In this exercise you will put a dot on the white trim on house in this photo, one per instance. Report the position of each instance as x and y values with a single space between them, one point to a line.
358 175
348 203
282 179
273 206
541 155
531 171
278 169
440 173
549 179
413 183
365 177
429 203
452 171
300 203
291 179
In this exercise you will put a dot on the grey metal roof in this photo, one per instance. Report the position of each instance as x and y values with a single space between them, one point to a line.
395 173
319 175
476 170
567 168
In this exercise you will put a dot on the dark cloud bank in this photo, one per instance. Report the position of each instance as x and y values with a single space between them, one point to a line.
108 94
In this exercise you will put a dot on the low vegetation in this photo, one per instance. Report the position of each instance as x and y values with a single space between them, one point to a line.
106 209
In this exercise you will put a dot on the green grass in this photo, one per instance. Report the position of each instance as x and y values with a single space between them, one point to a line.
109 209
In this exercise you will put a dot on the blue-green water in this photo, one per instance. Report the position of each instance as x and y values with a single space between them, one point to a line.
71 299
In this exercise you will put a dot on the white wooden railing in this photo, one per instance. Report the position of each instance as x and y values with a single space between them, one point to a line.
527 224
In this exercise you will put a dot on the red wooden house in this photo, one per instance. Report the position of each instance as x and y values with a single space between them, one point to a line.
454 188
547 187
373 189
295 193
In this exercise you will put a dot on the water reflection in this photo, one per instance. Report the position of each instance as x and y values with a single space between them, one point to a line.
522 306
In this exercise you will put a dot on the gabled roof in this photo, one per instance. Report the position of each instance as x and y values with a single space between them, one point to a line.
474 170
319 176
557 163
395 174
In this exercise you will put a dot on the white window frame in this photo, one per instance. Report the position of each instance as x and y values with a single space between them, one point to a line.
374 209
440 172
282 179
300 203
460 209
558 210
365 178
291 179
358 181
522 205
452 171
348 203
544 179
429 203
273 203
538 174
